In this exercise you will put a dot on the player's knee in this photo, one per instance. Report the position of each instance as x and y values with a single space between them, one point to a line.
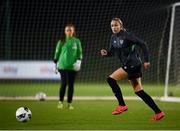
63 84
110 80
137 88
139 93
113 84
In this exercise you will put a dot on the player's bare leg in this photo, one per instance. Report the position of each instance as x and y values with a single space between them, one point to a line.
119 74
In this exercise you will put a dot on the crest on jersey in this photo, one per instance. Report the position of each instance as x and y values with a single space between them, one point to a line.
74 46
121 41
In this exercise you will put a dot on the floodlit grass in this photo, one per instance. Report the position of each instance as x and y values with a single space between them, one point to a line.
81 89
92 115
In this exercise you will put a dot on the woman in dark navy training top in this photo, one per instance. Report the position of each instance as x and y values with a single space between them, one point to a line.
124 46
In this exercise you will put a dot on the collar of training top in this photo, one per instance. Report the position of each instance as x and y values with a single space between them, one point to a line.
120 33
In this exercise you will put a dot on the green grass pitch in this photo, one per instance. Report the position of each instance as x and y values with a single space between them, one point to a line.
87 115
81 89
92 115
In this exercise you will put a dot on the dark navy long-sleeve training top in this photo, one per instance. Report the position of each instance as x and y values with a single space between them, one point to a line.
124 44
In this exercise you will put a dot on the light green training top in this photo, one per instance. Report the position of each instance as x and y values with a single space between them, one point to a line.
68 52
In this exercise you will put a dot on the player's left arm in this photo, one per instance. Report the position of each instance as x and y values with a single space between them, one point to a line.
77 64
144 48
79 51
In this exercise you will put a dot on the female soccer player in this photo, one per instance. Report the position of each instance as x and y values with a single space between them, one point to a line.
124 44
68 56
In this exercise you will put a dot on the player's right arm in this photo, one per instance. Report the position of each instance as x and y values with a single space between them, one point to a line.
57 52
109 52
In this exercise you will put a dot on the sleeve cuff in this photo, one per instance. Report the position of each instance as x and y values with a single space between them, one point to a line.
55 61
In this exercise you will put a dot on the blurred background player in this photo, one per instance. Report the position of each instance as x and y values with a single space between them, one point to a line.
68 56
124 44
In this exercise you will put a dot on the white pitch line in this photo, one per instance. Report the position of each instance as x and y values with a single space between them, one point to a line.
74 98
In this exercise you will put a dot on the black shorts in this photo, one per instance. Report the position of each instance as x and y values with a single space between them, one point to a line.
133 71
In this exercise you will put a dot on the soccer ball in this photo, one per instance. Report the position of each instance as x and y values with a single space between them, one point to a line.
41 96
23 114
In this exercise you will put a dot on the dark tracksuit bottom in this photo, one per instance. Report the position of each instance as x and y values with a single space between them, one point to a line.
67 78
